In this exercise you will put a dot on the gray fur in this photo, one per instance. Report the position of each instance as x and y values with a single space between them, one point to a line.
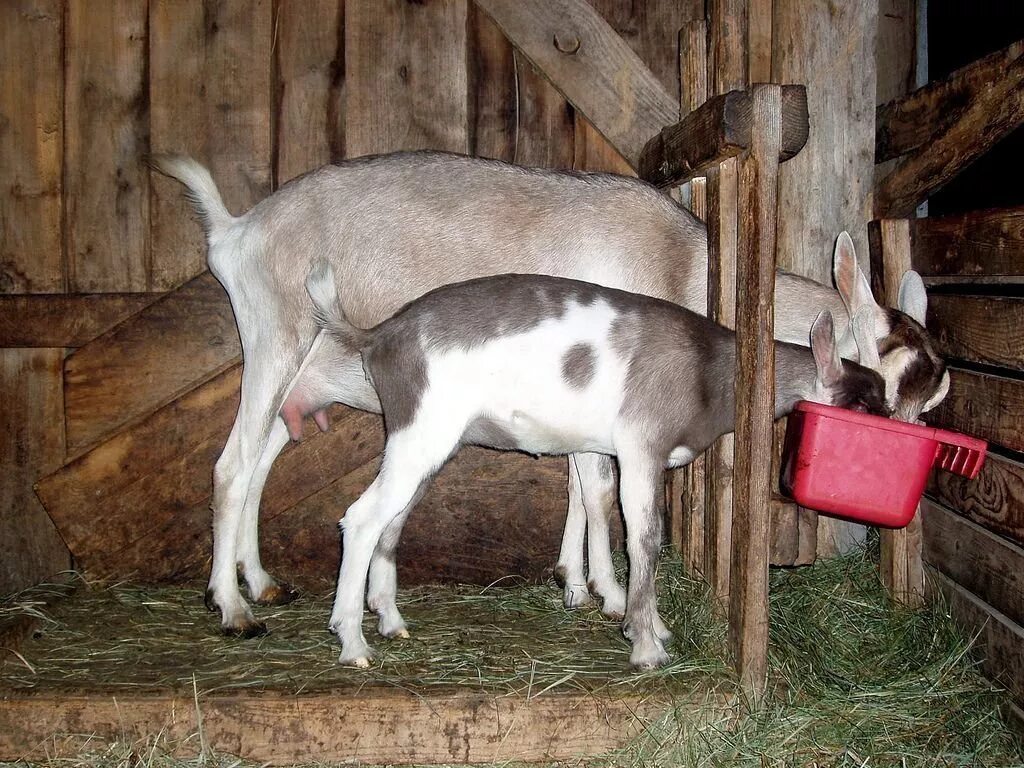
578 365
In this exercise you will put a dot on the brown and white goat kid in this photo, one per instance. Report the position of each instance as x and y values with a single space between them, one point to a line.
547 365
396 226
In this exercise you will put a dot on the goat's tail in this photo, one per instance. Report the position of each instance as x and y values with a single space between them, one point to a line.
328 313
201 191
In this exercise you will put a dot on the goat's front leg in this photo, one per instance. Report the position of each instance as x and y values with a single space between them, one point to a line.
570 571
641 478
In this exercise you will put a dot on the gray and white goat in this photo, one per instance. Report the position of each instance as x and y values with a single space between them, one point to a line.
396 226
547 365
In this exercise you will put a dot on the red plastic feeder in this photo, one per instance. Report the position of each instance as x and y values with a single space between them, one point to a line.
868 468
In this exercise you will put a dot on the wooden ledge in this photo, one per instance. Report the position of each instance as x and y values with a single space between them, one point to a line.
715 131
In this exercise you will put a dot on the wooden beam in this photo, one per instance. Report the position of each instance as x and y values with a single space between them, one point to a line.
171 346
977 559
65 320
989 406
591 65
371 725
718 129
982 115
900 562
915 119
994 499
755 389
979 329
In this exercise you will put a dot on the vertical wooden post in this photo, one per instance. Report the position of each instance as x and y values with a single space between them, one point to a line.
687 523
900 563
727 70
755 389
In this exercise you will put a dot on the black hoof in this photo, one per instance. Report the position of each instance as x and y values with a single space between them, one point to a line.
559 574
208 600
280 594
248 631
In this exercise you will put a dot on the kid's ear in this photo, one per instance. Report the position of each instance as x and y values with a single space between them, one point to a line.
913 300
825 350
863 326
851 282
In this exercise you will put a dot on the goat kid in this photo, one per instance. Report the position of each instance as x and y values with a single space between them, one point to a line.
396 226
547 365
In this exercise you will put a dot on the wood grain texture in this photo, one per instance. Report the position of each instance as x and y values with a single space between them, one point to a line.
31 146
31 444
722 230
976 559
997 639
908 122
381 725
63 320
829 47
895 51
755 389
309 68
967 123
159 354
728 45
597 71
211 96
990 407
981 329
405 76
994 499
106 122
515 114
718 129
970 245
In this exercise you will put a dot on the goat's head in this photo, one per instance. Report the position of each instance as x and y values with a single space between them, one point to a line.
839 382
893 342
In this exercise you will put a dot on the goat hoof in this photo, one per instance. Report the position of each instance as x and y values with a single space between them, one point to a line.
576 597
208 600
359 661
402 634
560 576
278 594
246 631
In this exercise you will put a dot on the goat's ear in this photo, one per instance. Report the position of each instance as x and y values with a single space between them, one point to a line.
939 395
825 350
863 326
913 300
851 282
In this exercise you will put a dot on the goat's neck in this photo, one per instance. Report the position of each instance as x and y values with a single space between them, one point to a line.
795 377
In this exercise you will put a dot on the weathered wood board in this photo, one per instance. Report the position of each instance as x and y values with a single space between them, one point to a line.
64 320
106 123
405 76
978 329
971 245
994 499
155 356
31 442
990 407
975 558
31 146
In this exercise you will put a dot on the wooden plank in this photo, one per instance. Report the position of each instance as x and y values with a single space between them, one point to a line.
999 640
162 352
914 120
593 152
990 407
900 552
970 245
979 117
31 146
759 37
591 65
728 40
994 499
722 213
975 558
371 725
309 105
515 114
718 129
980 329
210 85
755 389
895 51
827 187
405 76
31 443
62 320
106 118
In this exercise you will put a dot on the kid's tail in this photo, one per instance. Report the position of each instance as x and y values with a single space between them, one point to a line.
328 312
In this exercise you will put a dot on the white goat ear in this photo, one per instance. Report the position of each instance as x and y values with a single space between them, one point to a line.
913 300
863 326
825 350
851 282
939 395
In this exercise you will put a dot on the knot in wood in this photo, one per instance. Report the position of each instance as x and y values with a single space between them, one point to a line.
567 42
